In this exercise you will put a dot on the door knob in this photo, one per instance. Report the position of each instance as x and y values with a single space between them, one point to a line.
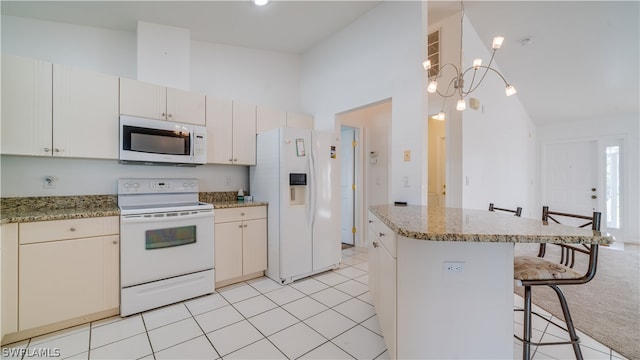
594 197
593 189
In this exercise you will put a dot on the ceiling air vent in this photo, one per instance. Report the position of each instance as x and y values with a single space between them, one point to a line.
433 52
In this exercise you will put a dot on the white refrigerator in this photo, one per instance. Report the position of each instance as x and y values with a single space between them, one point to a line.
298 172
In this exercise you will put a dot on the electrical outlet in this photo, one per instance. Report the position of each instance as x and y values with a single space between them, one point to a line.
48 182
453 266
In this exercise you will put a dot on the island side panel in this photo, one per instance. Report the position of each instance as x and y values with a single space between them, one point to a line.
454 315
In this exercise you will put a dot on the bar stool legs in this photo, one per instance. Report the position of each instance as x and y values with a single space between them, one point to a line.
526 335
575 340
527 327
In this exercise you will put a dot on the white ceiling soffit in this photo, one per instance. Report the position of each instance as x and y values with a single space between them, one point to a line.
286 26
582 63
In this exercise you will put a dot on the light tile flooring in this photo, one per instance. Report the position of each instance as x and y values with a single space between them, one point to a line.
328 316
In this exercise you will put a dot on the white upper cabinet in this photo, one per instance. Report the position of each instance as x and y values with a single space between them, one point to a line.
231 132
27 106
85 113
244 134
153 101
268 118
58 110
185 107
219 131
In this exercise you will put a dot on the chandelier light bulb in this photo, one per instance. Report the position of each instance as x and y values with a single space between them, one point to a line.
510 90
426 64
260 2
476 63
497 42
433 86
461 105
440 116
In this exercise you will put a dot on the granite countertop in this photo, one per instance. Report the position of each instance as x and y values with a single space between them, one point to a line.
44 208
236 204
455 224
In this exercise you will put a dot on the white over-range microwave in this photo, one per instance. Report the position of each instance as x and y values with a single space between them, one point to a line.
159 142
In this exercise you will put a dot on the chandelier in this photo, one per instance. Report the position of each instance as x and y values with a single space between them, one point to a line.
458 81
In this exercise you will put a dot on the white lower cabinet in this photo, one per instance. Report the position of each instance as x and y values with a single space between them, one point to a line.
240 244
383 280
64 276
9 280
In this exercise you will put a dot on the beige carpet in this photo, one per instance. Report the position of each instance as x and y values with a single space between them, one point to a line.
608 307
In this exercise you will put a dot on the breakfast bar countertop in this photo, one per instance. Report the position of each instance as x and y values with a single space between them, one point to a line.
469 225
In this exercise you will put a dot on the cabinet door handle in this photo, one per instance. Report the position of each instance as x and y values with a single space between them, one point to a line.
56 150
240 226
73 229
164 115
381 234
241 214
231 160
235 159
115 242
46 149
169 115
370 221
245 225
375 244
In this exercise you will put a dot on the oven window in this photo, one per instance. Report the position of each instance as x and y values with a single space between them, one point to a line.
164 238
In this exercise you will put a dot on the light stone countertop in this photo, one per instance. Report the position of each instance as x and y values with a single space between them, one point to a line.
45 208
237 204
455 224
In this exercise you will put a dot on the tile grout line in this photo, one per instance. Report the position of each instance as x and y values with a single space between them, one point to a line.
153 353
201 329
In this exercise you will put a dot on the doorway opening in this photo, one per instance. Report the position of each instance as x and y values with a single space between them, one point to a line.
348 142
364 148
437 188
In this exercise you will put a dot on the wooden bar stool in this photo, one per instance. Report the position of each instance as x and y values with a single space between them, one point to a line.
537 270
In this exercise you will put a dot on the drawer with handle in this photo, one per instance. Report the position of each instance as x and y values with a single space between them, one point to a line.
43 231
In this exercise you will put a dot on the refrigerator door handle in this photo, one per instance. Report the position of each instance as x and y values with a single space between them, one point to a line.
312 188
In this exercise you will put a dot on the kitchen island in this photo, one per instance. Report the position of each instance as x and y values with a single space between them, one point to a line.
442 278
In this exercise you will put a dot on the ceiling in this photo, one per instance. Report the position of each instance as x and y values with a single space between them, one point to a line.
582 63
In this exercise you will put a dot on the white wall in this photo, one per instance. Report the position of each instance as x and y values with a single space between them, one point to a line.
499 143
377 57
626 127
248 75
254 76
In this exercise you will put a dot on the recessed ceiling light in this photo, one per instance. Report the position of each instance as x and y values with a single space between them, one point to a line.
260 2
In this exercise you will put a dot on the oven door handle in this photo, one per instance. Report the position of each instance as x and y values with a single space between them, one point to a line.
146 218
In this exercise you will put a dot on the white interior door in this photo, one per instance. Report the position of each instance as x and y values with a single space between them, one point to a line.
347 183
571 178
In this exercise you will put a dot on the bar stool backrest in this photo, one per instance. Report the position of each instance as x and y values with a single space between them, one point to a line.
516 212
568 251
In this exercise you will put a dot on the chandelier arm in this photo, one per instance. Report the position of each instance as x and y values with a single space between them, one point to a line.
444 66
495 71
487 67
446 93
472 80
